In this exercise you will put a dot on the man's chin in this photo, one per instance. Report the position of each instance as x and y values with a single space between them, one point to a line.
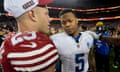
70 33
47 33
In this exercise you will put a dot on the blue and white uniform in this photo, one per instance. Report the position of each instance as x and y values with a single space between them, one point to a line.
74 58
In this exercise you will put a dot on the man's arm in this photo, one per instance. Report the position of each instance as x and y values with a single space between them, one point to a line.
112 40
91 59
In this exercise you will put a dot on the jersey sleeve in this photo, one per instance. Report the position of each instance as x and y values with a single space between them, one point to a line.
31 52
1 51
55 40
90 40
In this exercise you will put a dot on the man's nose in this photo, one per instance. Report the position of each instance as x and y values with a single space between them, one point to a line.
68 24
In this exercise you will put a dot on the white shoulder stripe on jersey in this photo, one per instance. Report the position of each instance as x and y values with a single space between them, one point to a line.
32 61
38 67
2 51
31 53
2 45
2 48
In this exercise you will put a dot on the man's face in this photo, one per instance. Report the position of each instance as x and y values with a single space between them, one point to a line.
69 23
43 20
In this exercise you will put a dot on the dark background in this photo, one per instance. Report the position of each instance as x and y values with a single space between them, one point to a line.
85 4
79 4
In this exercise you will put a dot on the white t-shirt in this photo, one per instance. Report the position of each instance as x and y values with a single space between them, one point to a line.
74 58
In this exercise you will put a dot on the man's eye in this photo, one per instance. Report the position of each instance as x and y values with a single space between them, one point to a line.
70 20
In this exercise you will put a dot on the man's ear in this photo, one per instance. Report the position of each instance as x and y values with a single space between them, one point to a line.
32 15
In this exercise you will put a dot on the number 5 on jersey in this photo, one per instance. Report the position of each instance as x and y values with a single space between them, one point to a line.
79 60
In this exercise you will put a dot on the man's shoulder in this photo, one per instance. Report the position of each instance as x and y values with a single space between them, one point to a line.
58 35
26 38
92 34
25 42
85 34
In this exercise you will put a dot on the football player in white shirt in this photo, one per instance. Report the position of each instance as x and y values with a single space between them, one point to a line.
74 47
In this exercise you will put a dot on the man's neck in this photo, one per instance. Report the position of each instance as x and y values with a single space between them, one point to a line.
75 34
24 26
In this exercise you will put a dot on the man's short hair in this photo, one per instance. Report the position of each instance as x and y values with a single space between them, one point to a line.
66 11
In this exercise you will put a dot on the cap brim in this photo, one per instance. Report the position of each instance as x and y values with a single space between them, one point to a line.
44 2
